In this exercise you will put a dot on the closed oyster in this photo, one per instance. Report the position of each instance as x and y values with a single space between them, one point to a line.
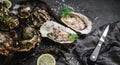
6 3
7 20
58 32
24 11
35 17
30 37
39 16
8 42
78 22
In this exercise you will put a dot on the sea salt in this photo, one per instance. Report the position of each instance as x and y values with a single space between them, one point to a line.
63 0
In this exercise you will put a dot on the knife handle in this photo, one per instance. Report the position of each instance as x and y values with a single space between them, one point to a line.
96 51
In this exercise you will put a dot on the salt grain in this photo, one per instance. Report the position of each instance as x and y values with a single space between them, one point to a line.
63 0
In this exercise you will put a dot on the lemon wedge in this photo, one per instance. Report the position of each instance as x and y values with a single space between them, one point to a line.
46 59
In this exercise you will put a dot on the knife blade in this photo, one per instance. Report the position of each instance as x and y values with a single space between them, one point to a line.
94 55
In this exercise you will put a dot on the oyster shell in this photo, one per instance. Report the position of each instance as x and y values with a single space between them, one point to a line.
39 16
78 22
35 17
6 3
8 42
24 11
7 20
57 32
30 37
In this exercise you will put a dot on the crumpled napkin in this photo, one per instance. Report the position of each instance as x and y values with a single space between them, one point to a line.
110 51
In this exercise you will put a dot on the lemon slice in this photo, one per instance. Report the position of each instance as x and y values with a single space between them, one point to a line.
46 59
7 2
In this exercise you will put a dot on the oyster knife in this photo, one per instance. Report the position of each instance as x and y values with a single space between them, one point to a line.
96 51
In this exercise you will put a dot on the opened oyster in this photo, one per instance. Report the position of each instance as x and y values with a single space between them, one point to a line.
57 32
7 20
29 38
8 42
78 22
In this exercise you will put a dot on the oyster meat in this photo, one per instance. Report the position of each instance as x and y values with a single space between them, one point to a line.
78 22
57 32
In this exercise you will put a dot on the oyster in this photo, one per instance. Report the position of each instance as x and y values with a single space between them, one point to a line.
8 42
7 20
78 22
6 3
57 32
39 16
30 37
34 16
24 11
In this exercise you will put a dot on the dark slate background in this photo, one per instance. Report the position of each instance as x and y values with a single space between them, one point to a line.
99 11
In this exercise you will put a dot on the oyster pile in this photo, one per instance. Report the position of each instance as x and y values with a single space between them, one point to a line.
16 34
22 28
33 17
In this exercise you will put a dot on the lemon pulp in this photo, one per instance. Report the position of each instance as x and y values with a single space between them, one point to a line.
46 59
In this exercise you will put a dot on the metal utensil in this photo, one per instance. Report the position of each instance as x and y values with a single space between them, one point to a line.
96 51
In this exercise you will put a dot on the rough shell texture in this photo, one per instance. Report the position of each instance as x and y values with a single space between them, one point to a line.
34 16
7 42
24 11
30 37
78 22
7 20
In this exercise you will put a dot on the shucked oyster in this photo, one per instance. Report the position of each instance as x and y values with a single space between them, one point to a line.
78 22
57 32
30 37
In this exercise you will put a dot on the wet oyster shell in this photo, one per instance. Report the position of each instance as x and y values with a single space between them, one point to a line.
39 16
8 40
30 37
57 32
9 25
7 20
24 12
33 13
78 22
